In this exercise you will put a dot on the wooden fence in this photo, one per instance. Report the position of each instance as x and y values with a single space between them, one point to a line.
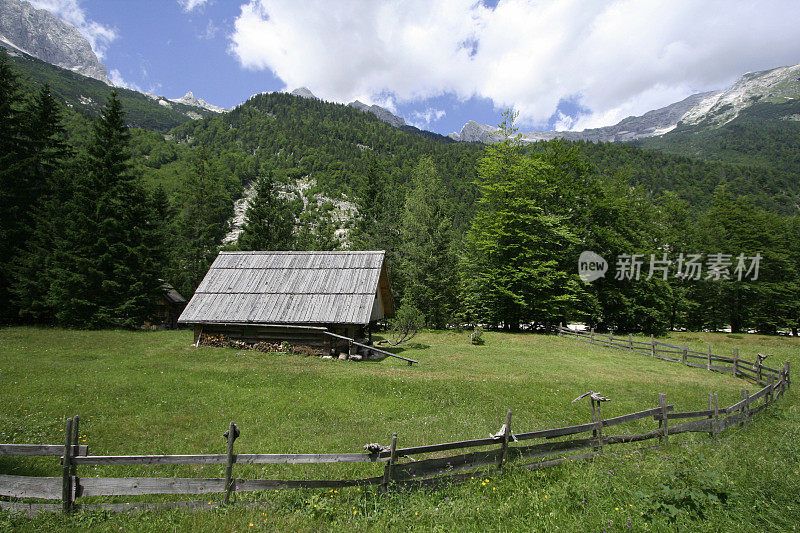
754 371
416 466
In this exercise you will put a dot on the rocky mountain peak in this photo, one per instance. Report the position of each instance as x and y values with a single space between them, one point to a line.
304 92
380 112
43 35
189 99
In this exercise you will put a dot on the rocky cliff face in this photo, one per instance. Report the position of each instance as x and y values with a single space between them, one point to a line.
45 36
776 85
189 99
382 114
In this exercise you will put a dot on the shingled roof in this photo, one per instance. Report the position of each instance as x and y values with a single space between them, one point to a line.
292 288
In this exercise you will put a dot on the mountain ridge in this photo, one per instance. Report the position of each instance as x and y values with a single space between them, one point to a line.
39 33
709 109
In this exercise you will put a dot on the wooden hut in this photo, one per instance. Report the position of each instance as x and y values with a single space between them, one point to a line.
169 306
291 296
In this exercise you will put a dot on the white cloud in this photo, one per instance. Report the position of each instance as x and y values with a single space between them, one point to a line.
210 31
98 35
190 5
116 78
619 57
423 119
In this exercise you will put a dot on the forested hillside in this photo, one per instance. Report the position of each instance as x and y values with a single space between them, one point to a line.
474 234
86 96
764 136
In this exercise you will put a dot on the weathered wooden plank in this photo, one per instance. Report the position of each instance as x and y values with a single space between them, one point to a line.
659 343
447 446
690 355
760 394
309 458
46 488
209 459
668 348
552 448
686 414
220 459
635 416
245 485
384 352
730 421
465 461
129 486
41 449
694 426
557 432
735 407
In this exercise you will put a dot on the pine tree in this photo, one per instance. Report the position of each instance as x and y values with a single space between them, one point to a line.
200 224
269 220
108 264
427 260
14 151
49 190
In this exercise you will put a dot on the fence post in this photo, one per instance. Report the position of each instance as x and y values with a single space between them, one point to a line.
746 398
387 471
716 416
504 445
66 469
559 328
708 364
599 427
662 402
231 435
630 341
788 379
74 469
611 338
683 356
768 398
652 345
736 362
592 335
758 369
594 420
711 417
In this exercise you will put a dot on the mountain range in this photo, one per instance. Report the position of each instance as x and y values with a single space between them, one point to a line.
709 109
37 33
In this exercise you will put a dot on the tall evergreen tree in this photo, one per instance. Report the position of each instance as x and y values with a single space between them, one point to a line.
426 257
200 223
269 220
14 151
108 263
49 190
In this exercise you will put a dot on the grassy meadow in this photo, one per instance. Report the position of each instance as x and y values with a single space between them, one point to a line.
154 393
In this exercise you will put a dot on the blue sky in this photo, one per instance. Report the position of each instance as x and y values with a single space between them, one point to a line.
563 64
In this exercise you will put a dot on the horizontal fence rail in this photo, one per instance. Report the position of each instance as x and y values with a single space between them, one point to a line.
384 353
581 442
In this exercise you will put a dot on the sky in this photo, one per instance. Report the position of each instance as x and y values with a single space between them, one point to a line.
562 64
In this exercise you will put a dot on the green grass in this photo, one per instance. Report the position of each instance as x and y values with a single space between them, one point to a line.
151 392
